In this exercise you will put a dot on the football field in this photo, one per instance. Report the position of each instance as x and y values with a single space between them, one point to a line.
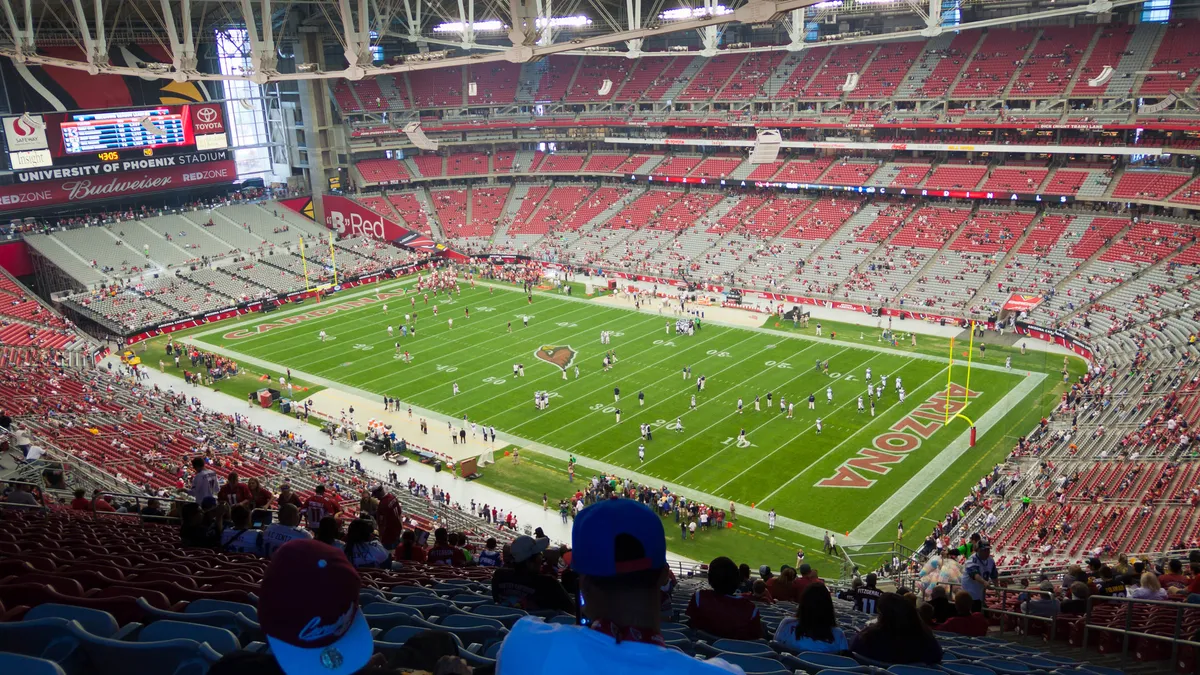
854 474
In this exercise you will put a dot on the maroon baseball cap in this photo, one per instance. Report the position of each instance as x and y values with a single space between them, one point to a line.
308 609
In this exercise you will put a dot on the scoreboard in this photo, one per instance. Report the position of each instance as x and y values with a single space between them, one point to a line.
75 139
99 132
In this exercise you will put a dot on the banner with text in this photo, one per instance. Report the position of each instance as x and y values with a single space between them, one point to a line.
76 190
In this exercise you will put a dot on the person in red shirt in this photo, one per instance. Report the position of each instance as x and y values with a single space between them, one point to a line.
409 550
807 576
81 502
390 516
234 492
260 495
782 587
719 611
442 553
1174 577
100 504
966 622
318 506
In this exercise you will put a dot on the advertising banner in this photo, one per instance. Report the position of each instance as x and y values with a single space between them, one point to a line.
82 189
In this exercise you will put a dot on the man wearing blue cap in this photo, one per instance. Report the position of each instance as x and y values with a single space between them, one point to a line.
619 550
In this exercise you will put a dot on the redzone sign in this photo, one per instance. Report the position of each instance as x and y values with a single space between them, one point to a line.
73 190
904 437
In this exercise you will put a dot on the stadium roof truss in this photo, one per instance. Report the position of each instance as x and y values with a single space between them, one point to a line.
517 31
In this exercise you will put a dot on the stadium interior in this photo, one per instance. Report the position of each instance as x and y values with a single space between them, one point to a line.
1010 174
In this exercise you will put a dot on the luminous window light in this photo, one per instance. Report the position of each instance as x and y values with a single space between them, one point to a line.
495 25
681 13
577 21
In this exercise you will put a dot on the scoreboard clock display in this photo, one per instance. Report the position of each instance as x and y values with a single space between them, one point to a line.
87 133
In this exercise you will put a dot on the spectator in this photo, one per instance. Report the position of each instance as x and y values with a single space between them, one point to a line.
21 495
746 585
490 556
522 584
286 496
1107 585
259 495
942 607
759 593
328 531
323 627
979 575
1193 588
390 516
619 551
205 483
153 509
966 621
1078 602
1074 573
925 611
1174 580
287 529
1150 589
1042 604
718 611
866 598
81 502
781 587
362 548
199 527
409 550
807 576
442 553
814 628
100 503
318 507
898 636
240 537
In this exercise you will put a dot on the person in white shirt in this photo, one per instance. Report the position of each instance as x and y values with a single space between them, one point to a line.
34 453
619 552
287 529
205 483
362 548
240 537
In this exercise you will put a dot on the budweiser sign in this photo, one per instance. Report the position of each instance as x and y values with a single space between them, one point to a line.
88 188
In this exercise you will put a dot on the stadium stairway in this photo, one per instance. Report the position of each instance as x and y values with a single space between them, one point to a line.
914 80
935 259
684 79
983 289
1083 58
1141 50
969 60
435 225
780 75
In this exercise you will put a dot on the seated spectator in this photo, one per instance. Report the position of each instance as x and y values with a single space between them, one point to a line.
759 593
259 495
1078 602
814 628
746 585
240 536
81 502
942 607
234 492
898 636
1042 604
866 598
718 611
21 495
409 550
442 553
286 496
100 503
362 548
925 611
783 587
966 621
287 529
328 531
620 554
153 509
199 527
490 556
1107 585
522 584
1150 589
1174 580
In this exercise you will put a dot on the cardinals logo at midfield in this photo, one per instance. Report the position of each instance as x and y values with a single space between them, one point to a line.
561 356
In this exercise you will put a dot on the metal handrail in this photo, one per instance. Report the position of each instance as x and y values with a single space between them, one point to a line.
1176 639
37 490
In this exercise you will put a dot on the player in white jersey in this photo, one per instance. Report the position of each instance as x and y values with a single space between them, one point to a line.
576 372
829 394
693 401
883 380
818 425
791 410
641 452
455 389
879 391
385 309
742 441
739 406
902 395
389 331
868 374
450 324
1008 362
679 423
898 385
322 336
860 404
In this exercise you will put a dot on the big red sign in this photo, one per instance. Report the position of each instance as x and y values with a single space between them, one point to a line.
207 119
82 189
351 219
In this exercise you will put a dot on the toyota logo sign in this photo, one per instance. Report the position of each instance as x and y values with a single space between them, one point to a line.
207 120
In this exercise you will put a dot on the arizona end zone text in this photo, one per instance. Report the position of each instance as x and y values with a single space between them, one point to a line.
902 438
315 314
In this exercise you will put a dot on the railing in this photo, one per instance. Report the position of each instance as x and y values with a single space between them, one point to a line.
1176 639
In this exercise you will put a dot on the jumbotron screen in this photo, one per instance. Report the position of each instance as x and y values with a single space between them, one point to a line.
84 133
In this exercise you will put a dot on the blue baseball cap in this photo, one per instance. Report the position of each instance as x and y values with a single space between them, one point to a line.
616 537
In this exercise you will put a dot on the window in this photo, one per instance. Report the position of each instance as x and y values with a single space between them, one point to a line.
1157 11
243 104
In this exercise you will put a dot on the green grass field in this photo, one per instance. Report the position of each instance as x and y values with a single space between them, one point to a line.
859 475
